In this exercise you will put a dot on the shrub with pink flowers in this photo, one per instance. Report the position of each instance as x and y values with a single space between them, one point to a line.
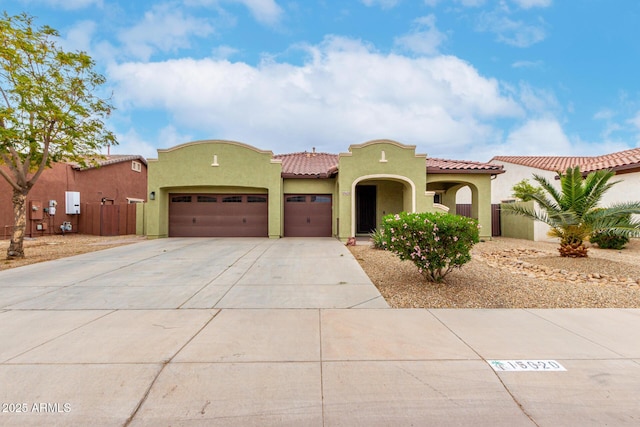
435 242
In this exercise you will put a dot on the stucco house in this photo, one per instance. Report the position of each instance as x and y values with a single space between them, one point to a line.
226 188
626 165
88 200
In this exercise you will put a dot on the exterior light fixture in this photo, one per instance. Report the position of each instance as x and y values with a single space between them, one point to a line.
152 195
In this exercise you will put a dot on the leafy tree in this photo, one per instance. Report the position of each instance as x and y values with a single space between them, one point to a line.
49 110
573 213
523 190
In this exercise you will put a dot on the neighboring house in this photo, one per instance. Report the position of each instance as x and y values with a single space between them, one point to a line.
225 188
97 192
626 165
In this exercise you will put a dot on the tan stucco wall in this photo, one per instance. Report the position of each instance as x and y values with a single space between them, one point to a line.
375 161
516 226
189 168
480 187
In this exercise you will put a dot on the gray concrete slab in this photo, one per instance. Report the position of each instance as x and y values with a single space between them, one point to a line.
21 331
388 335
110 298
235 394
207 297
416 393
10 295
616 329
257 336
518 334
589 393
294 296
73 395
304 271
132 336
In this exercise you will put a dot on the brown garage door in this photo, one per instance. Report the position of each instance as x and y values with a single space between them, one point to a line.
307 215
218 215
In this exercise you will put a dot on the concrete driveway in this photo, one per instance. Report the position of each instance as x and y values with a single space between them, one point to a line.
261 332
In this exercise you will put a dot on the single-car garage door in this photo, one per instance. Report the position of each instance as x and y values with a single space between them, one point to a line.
218 215
307 215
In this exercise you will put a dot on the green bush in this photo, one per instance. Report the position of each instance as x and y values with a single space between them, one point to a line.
607 240
377 238
435 242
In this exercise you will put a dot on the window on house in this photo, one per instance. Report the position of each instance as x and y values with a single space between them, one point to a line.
320 199
232 199
181 199
136 166
296 199
207 199
256 199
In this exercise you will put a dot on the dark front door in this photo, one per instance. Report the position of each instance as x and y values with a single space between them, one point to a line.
365 209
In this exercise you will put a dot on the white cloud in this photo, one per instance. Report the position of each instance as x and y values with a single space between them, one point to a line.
264 11
385 4
527 64
538 101
466 3
345 93
68 4
538 137
163 28
512 32
528 4
79 36
636 120
130 142
605 114
424 39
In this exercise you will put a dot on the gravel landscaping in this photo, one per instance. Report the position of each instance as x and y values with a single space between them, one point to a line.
47 248
512 273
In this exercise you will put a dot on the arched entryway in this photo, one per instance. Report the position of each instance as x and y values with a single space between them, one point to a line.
374 196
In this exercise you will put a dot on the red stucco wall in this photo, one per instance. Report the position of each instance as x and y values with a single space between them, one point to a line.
115 182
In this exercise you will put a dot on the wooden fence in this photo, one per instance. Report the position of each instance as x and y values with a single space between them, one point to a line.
465 210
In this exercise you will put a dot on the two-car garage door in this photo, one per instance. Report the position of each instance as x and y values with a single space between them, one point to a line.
218 215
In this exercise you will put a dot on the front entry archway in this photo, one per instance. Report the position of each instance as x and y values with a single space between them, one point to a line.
373 196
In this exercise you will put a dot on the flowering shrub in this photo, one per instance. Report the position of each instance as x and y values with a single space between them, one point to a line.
435 242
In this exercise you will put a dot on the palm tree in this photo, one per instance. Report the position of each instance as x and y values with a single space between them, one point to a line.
573 212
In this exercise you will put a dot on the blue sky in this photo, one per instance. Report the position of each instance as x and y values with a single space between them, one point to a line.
461 79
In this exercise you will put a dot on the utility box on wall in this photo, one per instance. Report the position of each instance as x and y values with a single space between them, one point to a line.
35 208
72 205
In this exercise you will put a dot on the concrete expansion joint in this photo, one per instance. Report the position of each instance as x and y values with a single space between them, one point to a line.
165 363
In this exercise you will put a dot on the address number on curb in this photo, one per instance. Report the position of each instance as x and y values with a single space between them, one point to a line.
526 365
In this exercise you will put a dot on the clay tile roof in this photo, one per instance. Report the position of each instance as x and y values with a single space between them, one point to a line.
435 165
109 160
621 160
308 165
550 163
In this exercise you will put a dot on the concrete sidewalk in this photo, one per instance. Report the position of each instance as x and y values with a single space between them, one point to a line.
171 332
